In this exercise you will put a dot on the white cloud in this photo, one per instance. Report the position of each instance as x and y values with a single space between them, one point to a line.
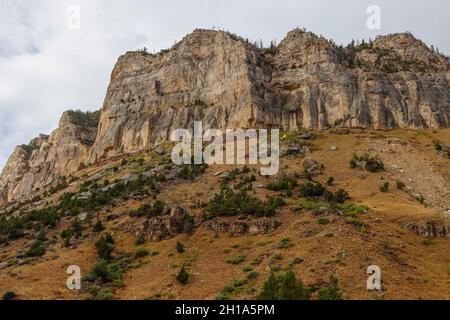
46 68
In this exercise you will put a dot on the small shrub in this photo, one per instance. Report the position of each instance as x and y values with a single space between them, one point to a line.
117 283
330 181
188 224
297 261
141 252
190 172
226 293
252 275
310 190
385 187
98 227
247 269
286 243
9 295
149 210
105 294
90 277
438 147
420 198
400 185
340 196
284 183
41 236
180 247
36 249
183 276
236 260
102 271
140 240
323 221
105 246
331 291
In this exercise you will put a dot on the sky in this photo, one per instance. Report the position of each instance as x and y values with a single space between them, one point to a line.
57 55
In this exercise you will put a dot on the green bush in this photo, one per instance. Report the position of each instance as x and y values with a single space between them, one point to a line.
102 271
385 187
188 223
105 246
149 210
9 295
37 249
85 119
106 271
236 260
98 227
284 183
183 276
180 247
330 181
190 172
323 221
311 190
228 203
140 240
285 243
104 294
331 291
438 147
284 287
141 253
338 197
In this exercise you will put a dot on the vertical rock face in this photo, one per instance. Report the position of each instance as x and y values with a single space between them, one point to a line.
305 82
209 76
396 81
45 159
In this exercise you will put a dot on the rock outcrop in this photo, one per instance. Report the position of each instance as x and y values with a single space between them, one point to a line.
173 221
47 158
305 82
240 228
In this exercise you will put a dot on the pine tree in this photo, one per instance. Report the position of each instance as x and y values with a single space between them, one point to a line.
291 288
270 289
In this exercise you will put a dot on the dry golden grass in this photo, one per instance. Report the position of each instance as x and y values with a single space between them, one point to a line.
410 269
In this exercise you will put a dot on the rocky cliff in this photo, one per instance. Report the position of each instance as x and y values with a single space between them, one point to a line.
45 159
305 82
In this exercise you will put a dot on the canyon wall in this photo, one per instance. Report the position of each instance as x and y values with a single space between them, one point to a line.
306 81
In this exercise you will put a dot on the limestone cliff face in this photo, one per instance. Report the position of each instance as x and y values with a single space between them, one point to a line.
208 75
396 81
45 159
305 82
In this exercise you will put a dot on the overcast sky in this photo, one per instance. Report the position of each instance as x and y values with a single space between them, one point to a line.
50 63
